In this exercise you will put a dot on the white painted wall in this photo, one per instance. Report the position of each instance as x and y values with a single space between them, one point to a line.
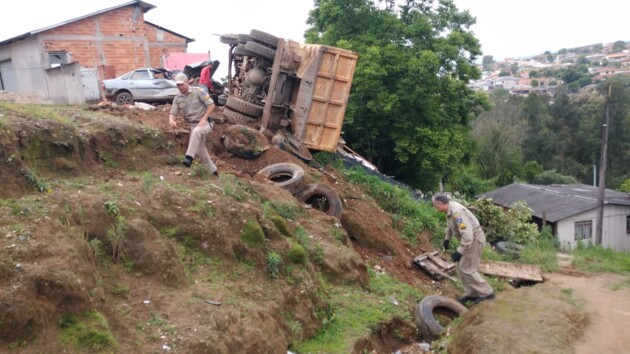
28 65
614 228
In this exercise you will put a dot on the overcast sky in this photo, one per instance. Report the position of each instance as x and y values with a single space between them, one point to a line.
506 28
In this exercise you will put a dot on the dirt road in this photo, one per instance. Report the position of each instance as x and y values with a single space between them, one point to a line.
607 300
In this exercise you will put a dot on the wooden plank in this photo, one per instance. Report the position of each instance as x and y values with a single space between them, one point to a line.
511 270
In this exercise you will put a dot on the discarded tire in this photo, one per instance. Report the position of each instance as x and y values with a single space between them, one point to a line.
245 142
511 248
321 197
298 150
285 175
436 305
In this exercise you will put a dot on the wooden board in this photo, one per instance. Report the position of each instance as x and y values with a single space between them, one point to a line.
434 264
511 270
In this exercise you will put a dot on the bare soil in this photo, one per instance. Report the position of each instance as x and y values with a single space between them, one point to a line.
98 213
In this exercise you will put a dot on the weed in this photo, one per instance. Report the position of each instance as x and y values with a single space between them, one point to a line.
128 266
121 290
200 170
302 237
319 255
12 204
112 208
287 211
339 235
169 231
253 234
147 182
34 181
234 188
88 330
297 254
273 263
97 249
598 259
108 160
34 111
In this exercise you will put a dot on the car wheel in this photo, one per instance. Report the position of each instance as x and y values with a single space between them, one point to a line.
264 38
244 107
260 50
321 197
444 308
285 175
124 98
245 142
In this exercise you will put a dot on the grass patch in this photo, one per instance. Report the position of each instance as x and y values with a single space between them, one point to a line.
11 204
253 234
541 252
34 111
414 214
352 313
88 330
594 259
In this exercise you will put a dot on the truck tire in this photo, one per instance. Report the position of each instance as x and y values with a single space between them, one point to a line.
323 198
298 150
285 175
260 50
433 305
264 38
235 117
240 50
242 38
245 142
244 107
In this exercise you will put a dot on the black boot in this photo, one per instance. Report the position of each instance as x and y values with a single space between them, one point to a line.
187 161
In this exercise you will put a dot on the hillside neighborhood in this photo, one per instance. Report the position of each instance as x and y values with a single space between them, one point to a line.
114 238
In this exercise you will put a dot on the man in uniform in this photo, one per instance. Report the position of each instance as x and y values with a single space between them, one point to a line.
196 106
465 226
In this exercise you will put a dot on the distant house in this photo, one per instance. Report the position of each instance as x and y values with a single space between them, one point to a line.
79 52
571 211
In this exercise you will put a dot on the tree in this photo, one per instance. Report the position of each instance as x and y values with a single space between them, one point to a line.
562 51
537 134
514 68
410 109
534 83
487 62
618 46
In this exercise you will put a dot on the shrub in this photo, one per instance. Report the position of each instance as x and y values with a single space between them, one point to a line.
273 264
253 234
297 254
551 177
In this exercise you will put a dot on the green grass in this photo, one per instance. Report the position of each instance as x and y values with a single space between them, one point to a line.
34 111
541 252
352 312
88 330
416 215
594 259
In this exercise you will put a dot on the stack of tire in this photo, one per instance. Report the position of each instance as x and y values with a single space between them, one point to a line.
256 44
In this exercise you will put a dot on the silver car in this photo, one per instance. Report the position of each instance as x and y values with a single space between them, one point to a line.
145 84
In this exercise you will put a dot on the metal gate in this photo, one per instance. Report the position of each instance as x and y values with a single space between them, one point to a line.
89 77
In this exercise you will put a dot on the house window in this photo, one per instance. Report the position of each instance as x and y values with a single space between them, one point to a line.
628 225
57 58
583 230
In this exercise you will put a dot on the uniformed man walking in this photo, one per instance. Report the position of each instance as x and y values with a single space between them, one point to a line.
465 226
196 106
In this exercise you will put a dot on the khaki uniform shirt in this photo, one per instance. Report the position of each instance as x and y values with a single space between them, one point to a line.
464 225
193 104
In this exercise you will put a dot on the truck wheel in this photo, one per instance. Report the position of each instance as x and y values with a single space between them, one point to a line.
124 98
260 50
245 142
235 117
264 38
242 38
285 175
321 197
430 306
240 50
244 107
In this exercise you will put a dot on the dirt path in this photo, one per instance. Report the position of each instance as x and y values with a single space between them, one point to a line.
607 299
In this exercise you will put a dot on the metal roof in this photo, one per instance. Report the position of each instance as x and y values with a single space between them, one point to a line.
558 201
143 5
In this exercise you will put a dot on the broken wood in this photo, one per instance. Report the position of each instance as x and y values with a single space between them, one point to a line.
511 270
435 265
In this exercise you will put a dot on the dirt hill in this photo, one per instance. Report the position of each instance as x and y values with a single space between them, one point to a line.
109 244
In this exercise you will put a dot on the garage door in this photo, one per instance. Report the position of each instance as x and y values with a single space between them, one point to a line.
8 81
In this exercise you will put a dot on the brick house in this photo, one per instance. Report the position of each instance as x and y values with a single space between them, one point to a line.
104 44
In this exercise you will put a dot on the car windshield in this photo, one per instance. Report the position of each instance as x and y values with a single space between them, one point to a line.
140 75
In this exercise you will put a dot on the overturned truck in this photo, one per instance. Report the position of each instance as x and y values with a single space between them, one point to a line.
294 93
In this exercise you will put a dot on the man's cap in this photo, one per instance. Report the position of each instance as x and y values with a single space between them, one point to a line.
181 78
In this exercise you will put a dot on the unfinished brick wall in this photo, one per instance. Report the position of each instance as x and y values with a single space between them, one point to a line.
113 39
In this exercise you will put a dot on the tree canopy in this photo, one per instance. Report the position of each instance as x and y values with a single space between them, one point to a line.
410 109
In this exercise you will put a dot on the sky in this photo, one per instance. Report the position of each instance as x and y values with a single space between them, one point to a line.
505 28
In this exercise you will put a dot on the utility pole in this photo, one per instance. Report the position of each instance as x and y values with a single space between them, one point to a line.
602 172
